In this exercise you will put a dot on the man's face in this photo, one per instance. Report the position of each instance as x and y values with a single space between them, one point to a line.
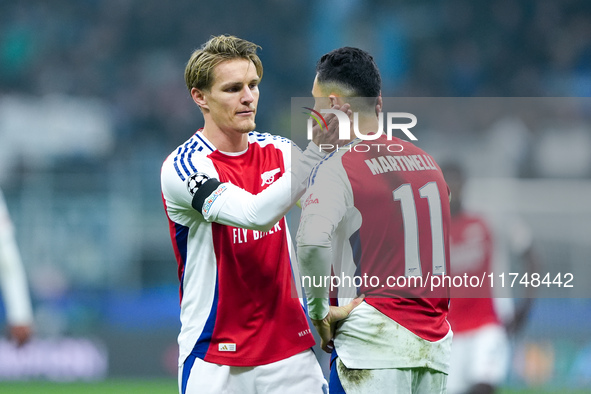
233 97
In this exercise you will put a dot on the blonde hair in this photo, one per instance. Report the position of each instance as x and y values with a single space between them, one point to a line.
199 70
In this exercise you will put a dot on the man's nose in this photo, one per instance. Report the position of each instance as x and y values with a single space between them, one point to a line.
247 96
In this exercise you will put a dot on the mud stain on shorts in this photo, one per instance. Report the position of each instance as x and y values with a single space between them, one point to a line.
353 377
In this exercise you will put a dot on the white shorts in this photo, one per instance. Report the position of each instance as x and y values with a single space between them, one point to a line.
478 356
297 374
391 380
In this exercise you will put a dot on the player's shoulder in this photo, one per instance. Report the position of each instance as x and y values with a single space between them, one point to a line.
188 156
195 144
410 148
264 139
330 164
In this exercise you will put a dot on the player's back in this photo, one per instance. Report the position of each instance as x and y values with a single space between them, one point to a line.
390 212
403 200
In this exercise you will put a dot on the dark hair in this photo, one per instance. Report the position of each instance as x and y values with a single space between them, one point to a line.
353 68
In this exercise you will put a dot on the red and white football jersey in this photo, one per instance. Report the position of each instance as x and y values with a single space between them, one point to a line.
388 214
472 254
239 305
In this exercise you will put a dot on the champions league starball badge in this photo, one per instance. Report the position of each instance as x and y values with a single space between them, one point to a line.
195 181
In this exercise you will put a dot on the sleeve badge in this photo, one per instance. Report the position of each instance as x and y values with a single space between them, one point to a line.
195 181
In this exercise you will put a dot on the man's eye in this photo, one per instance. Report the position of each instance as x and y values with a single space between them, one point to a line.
253 85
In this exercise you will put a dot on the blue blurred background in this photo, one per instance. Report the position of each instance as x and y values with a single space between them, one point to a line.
92 99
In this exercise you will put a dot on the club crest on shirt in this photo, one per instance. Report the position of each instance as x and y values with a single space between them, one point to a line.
268 177
195 181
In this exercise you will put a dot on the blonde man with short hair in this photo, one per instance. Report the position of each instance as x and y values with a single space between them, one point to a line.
226 191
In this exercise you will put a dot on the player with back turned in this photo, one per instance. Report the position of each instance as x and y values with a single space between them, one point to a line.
370 212
226 191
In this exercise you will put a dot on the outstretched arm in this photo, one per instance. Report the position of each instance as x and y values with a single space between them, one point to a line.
230 205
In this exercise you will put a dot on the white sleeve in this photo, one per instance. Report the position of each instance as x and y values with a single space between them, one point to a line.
230 205
314 257
12 275
324 205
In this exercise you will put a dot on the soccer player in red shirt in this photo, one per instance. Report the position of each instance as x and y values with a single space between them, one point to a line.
375 213
226 191
480 349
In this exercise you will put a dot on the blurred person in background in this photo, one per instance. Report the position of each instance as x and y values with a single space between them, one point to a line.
15 291
480 349
226 191
369 212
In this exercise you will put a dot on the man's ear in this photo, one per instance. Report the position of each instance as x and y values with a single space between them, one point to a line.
335 100
379 105
199 98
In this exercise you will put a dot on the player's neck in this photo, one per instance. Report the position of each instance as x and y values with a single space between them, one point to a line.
367 123
226 140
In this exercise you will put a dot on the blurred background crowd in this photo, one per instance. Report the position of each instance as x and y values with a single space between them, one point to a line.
92 99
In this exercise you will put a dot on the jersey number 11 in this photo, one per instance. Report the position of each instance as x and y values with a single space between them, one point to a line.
404 194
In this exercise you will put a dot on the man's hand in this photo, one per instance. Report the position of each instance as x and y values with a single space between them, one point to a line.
330 137
326 327
20 334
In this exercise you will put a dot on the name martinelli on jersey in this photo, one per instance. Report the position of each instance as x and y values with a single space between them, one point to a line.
389 163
